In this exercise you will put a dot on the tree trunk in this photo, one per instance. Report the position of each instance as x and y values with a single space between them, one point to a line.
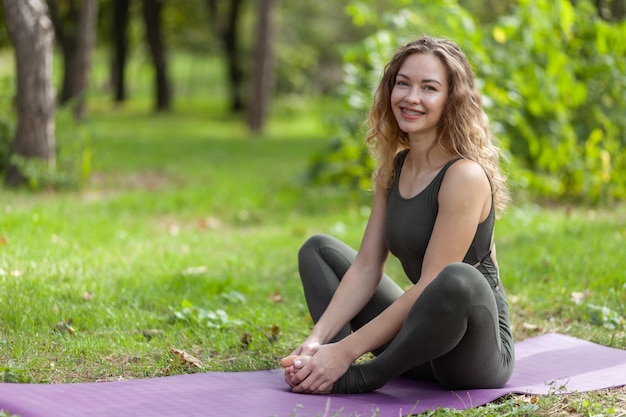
213 13
227 31
76 31
152 17
67 42
614 10
231 45
262 77
86 39
619 10
32 35
120 48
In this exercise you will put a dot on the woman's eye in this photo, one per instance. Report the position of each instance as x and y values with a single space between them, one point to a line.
402 83
429 88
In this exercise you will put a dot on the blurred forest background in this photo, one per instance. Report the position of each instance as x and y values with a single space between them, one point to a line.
552 73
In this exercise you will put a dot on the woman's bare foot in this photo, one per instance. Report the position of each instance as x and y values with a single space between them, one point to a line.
295 361
292 364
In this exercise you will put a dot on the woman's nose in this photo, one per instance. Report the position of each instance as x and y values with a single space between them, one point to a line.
413 95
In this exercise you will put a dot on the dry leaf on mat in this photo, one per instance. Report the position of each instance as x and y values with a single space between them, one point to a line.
185 358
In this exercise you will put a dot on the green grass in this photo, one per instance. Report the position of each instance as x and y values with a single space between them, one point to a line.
187 216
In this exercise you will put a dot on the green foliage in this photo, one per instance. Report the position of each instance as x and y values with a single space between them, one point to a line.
553 83
488 10
73 165
4 33
73 157
346 162
74 150
7 130
193 315
13 375
308 60
605 316
7 125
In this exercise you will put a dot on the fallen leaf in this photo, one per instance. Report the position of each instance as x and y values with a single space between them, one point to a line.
273 334
195 270
210 223
87 296
530 326
63 327
3 241
245 340
579 297
185 358
276 297
150 333
173 229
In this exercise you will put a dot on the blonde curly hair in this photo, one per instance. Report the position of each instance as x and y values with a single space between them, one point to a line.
463 129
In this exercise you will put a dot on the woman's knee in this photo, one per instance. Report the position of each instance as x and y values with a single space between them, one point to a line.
459 282
313 244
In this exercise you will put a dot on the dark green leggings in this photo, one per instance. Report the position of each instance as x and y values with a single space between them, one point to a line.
457 332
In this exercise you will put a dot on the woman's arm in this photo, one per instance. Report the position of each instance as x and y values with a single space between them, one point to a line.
360 281
464 201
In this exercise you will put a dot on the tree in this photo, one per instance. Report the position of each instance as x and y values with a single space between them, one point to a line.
152 18
225 24
488 11
120 49
32 35
74 23
262 77
611 9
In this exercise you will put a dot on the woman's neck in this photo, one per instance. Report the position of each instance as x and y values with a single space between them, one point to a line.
424 156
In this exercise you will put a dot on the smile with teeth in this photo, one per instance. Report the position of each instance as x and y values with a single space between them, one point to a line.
410 112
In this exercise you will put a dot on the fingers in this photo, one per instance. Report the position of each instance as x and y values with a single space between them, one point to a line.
302 377
288 377
309 379
313 385
299 372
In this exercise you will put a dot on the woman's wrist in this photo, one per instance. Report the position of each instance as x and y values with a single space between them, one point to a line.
349 349
318 335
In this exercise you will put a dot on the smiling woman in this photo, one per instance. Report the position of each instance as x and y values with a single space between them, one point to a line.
437 187
419 95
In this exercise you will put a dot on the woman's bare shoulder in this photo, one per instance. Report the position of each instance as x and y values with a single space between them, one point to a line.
465 178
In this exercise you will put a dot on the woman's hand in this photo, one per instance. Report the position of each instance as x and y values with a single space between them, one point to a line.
316 374
296 359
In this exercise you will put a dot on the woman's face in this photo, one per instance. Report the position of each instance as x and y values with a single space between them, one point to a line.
419 95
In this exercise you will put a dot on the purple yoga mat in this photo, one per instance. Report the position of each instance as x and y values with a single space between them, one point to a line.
549 363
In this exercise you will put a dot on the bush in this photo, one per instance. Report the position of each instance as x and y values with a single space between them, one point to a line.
346 162
552 76
73 156
555 84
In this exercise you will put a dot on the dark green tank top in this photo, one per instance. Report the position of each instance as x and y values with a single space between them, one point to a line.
409 224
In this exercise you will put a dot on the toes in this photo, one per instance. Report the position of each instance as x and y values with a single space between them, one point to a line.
288 361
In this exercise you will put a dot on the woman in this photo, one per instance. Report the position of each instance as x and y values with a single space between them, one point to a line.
437 187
